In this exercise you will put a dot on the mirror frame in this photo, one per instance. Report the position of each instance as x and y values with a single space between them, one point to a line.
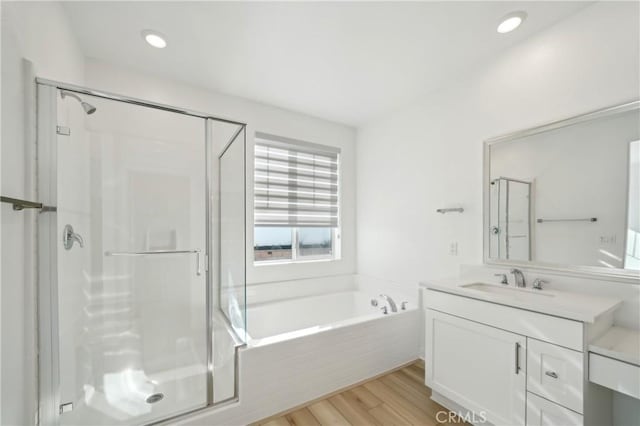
629 275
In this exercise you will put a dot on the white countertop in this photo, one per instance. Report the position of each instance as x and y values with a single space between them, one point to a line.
575 306
619 343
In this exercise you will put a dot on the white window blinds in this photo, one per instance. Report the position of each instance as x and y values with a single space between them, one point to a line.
296 184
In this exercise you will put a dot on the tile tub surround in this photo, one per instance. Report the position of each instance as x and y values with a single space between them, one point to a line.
277 376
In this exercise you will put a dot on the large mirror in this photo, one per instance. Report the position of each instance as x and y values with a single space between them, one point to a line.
567 194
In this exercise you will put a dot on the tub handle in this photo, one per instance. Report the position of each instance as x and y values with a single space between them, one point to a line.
384 310
403 306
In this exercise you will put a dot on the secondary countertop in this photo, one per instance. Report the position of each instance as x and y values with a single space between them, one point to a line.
576 306
619 343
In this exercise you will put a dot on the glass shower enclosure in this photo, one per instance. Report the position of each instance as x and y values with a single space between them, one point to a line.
132 327
510 219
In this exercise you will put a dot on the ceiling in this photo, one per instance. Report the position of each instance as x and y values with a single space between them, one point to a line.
346 62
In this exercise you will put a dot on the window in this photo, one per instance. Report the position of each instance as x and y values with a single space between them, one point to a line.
296 200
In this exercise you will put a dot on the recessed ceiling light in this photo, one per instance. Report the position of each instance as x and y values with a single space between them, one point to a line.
511 21
154 38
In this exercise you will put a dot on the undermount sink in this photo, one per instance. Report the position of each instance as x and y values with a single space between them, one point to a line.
571 305
517 293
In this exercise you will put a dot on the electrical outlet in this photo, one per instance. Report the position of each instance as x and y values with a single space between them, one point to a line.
608 239
453 248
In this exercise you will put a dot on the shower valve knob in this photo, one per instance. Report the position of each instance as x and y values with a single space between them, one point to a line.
69 236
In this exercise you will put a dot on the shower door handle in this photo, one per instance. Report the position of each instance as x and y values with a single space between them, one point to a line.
197 252
198 267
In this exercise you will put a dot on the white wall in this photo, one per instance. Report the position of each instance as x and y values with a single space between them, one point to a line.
38 32
43 35
260 117
429 154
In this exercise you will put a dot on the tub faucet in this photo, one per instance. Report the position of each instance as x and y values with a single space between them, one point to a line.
390 301
519 276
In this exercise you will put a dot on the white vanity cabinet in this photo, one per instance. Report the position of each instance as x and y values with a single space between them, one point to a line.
555 373
542 412
614 361
509 365
480 367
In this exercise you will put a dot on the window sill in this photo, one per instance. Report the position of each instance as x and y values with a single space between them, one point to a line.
293 262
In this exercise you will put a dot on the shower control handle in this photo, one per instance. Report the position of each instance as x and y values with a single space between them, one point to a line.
69 237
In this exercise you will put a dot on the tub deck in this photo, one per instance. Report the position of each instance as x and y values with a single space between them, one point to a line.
396 398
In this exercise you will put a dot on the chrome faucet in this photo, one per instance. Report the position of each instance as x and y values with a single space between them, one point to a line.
519 276
390 301
504 278
537 283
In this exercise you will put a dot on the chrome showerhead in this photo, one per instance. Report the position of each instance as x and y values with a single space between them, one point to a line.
88 108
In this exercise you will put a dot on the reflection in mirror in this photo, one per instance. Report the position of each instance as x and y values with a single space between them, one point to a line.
510 227
567 194
632 256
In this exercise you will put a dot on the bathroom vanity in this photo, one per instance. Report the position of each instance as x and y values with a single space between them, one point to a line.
518 356
614 361
540 355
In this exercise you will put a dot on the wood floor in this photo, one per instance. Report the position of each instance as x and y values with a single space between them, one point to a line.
397 398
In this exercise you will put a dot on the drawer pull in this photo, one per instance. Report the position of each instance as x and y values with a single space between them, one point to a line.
551 374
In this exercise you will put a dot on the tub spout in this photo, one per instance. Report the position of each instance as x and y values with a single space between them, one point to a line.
390 301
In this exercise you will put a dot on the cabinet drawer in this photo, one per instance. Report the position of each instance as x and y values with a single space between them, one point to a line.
548 328
555 373
613 374
541 412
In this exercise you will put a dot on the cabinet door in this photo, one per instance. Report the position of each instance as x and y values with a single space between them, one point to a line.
479 367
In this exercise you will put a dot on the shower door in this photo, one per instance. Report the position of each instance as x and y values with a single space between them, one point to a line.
510 222
129 183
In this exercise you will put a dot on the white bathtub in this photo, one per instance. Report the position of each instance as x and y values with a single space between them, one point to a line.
325 336
277 321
